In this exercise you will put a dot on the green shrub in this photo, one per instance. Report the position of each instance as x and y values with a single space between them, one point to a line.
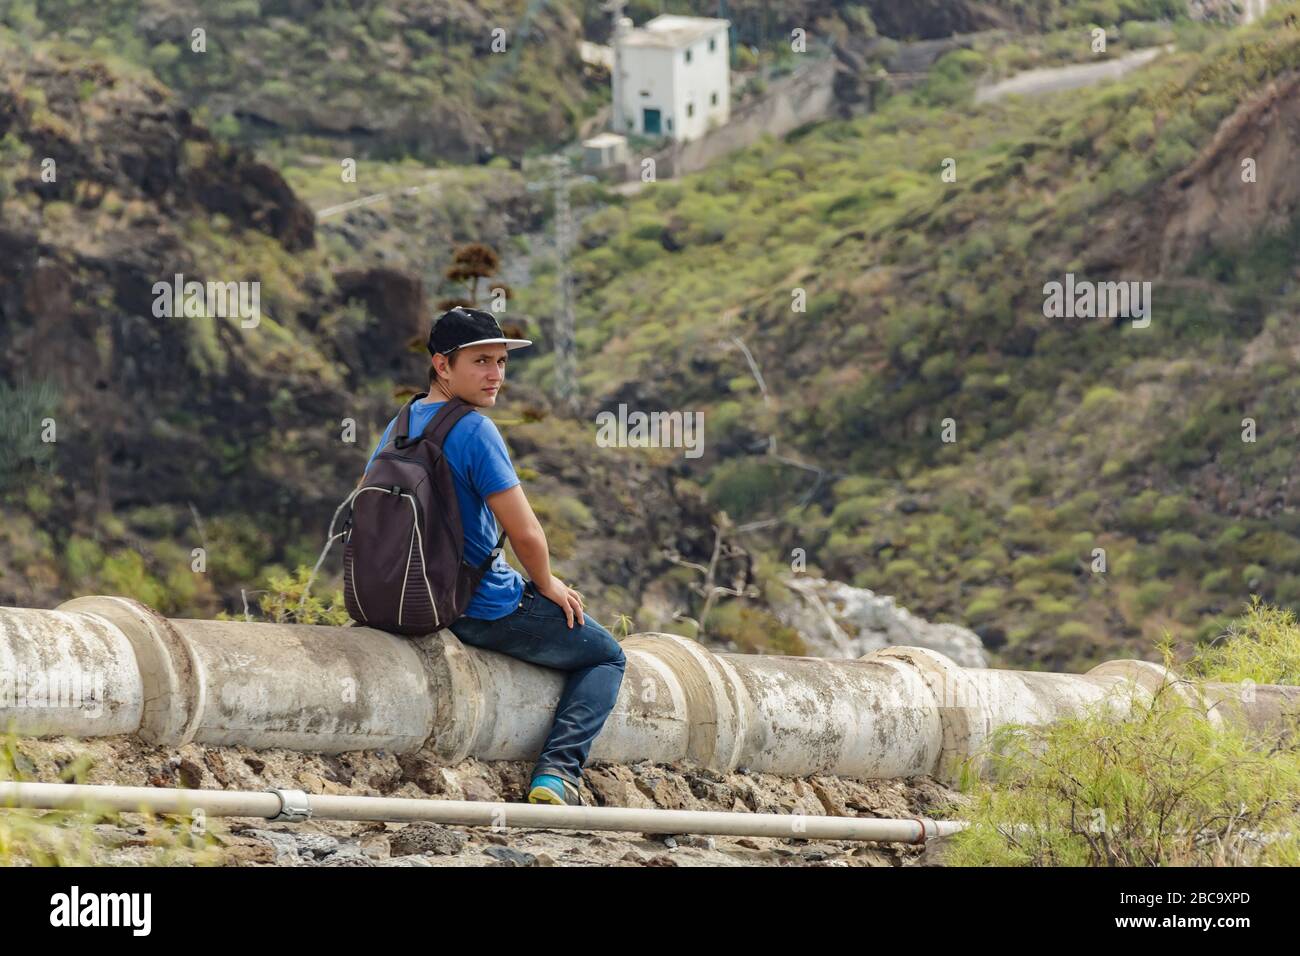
1073 632
162 56
82 558
1168 510
1263 646
982 608
904 570
124 573
1178 548
1020 515
23 408
1162 788
1253 575
752 630
746 486
1154 783
1230 536
1152 595
1217 581
855 511
951 80
1101 398
1050 605
286 600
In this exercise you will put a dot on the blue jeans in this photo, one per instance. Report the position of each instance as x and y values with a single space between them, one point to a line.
538 632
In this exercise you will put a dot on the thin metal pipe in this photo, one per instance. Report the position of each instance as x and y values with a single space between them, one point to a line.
270 804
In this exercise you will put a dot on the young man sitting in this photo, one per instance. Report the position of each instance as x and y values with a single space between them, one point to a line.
541 621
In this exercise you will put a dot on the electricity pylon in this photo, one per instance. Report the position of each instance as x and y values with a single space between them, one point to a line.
566 359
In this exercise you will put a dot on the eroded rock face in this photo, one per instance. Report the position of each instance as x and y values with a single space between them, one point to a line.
113 181
839 620
398 316
1265 129
231 183
1193 210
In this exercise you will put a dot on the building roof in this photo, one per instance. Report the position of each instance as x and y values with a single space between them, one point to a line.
673 32
601 140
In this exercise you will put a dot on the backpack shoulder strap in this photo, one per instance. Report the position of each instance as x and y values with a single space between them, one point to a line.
402 438
451 413
436 431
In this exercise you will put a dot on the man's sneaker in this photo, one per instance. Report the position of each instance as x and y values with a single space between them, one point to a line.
548 788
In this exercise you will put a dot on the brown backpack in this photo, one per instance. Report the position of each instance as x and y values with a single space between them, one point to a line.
404 567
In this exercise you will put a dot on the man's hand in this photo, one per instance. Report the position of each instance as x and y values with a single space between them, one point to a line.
565 596
521 526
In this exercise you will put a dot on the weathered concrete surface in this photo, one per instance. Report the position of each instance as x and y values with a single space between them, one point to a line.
897 712
282 686
67 673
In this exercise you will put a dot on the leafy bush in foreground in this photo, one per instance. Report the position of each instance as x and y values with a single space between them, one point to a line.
1163 788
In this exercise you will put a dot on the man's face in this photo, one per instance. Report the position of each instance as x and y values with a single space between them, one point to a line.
478 374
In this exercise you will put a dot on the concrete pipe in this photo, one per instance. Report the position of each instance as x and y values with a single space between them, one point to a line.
896 712
67 673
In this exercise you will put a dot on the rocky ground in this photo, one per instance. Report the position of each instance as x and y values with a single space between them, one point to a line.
132 840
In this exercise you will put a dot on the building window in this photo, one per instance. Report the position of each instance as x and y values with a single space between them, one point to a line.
713 44
631 123
688 56
690 109
713 99
670 124
645 92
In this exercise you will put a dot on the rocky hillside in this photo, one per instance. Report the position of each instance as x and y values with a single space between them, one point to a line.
924 304
194 431
424 77
974 451
431 79
108 188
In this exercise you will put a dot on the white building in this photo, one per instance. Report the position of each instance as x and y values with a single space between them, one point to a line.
671 76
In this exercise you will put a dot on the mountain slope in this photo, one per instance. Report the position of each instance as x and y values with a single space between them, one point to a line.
189 431
925 301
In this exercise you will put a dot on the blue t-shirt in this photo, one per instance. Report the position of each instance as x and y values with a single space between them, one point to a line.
480 466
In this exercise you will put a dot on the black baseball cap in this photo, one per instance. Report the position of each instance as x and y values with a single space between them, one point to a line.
461 326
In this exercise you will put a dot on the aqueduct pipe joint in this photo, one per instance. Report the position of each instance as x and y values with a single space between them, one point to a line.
894 713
